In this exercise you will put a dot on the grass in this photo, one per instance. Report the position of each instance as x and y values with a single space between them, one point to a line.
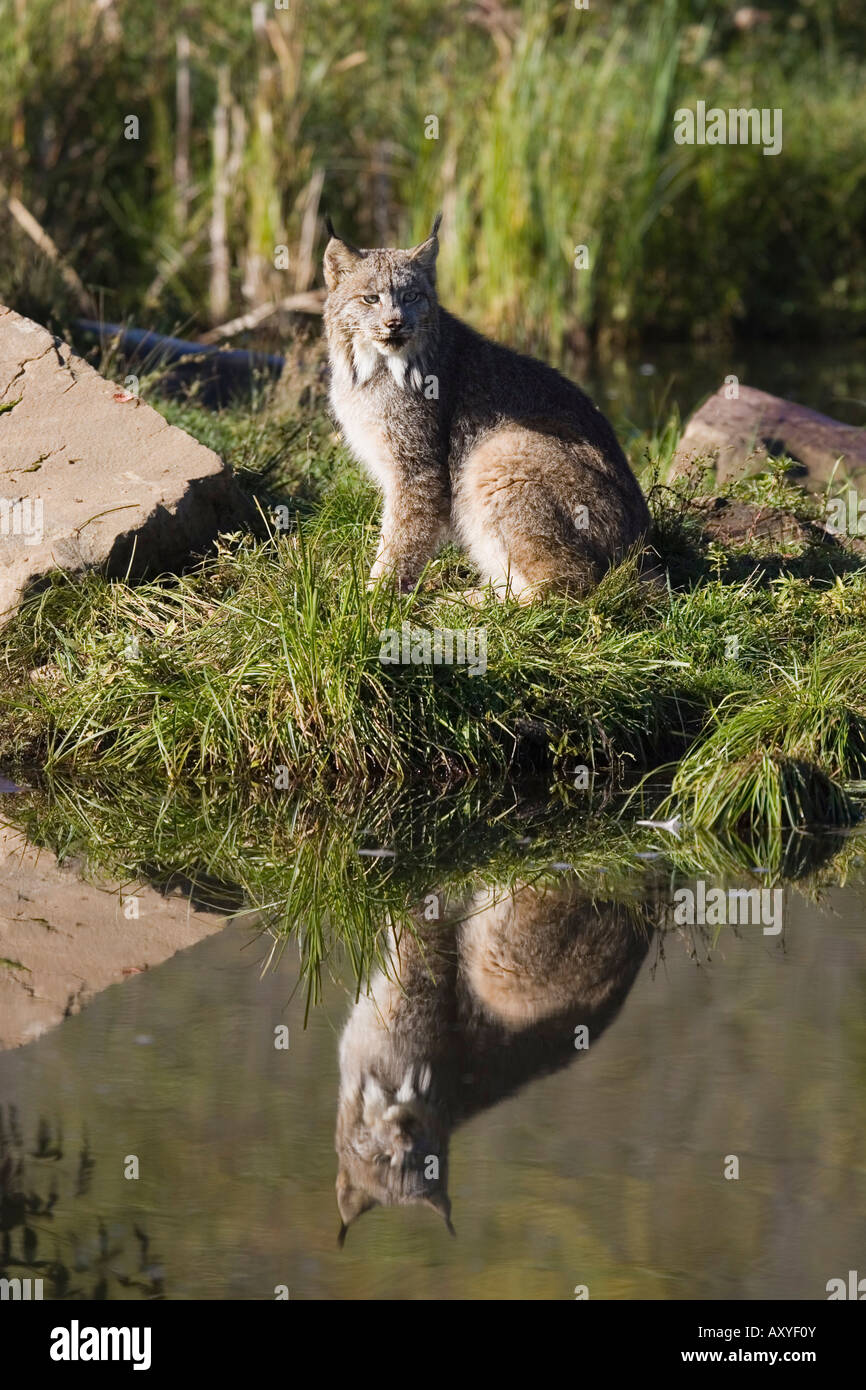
268 657
781 758
260 668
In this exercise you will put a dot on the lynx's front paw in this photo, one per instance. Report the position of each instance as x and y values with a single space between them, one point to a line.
376 574
389 574
501 593
476 597
383 568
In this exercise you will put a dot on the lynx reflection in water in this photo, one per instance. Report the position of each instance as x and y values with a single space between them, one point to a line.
469 1010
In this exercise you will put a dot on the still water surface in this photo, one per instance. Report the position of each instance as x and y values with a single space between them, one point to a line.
603 1167
638 393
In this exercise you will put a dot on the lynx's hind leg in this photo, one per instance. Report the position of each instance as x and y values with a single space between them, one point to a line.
509 514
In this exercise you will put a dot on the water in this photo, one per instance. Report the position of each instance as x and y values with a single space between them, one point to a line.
638 393
604 1169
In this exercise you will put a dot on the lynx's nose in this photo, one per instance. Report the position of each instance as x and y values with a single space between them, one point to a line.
393 322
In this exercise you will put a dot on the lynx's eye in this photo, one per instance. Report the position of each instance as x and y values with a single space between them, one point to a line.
411 297
370 298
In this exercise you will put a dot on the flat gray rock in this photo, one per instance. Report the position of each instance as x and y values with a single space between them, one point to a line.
91 476
737 435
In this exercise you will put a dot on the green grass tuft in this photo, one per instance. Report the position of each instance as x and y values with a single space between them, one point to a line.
262 667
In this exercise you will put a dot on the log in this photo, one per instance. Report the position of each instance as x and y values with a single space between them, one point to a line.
303 302
160 350
217 372
737 435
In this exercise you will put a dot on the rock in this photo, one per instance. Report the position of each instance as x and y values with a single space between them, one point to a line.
91 476
738 523
63 940
737 435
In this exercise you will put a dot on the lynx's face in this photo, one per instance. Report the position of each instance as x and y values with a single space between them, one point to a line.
393 1147
381 305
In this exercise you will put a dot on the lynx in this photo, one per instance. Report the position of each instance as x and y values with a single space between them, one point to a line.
470 1011
467 439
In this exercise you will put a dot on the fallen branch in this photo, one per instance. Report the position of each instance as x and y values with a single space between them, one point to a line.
159 350
27 222
306 302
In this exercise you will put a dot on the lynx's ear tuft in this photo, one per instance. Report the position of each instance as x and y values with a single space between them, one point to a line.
352 1203
340 258
441 1204
426 253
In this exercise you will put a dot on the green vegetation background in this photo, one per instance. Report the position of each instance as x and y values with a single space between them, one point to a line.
555 129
